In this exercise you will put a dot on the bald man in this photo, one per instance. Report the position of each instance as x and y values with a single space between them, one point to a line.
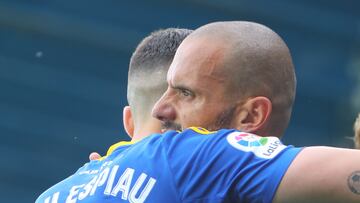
146 83
256 71
240 75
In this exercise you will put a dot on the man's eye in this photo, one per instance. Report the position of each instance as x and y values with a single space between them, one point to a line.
185 93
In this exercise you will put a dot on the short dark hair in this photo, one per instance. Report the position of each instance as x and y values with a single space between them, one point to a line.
148 68
160 46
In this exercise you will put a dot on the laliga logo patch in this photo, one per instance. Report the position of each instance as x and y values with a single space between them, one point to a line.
263 147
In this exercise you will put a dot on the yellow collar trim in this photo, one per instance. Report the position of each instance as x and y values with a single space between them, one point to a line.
115 146
202 131
112 148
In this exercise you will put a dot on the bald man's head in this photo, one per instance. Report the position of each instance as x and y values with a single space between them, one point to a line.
247 60
258 62
147 71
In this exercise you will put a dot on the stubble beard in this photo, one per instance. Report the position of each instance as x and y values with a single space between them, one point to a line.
223 120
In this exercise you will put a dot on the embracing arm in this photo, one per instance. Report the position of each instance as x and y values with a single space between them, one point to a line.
322 174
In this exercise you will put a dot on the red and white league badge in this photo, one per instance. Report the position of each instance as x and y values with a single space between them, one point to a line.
263 147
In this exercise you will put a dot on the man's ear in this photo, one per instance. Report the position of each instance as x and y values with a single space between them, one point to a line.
254 114
128 121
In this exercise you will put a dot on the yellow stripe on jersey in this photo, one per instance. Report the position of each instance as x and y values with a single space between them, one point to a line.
115 146
202 131
199 130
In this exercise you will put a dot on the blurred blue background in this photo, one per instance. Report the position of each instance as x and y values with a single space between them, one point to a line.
63 73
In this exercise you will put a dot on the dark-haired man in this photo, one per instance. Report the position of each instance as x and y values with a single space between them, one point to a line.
104 180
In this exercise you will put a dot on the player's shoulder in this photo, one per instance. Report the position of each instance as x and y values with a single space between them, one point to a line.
193 139
224 140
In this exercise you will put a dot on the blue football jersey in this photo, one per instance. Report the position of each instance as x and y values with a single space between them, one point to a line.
195 165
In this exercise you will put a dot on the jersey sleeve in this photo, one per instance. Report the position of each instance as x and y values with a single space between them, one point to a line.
227 165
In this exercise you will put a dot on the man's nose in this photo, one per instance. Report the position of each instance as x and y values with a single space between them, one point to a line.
164 110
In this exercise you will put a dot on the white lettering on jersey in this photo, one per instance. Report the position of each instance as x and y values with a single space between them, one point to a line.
263 147
89 172
54 198
106 177
73 193
145 192
87 188
101 180
123 184
110 181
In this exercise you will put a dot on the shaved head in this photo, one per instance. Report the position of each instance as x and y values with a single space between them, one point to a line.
240 75
258 63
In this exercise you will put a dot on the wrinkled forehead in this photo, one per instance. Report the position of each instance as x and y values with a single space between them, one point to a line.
198 57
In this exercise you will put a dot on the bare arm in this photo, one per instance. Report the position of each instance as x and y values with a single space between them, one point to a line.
322 174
